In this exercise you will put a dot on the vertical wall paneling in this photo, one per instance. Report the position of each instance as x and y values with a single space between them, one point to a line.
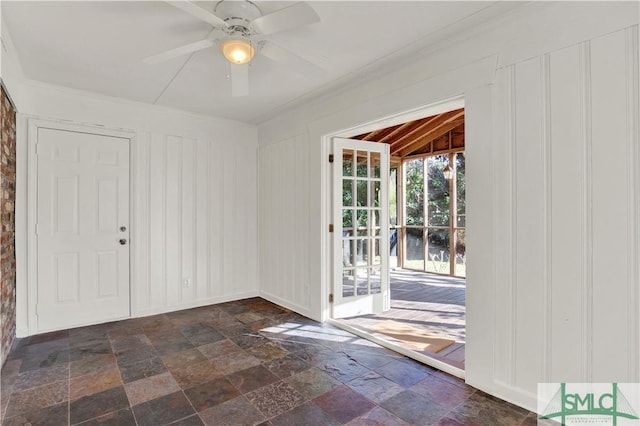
217 158
546 308
610 206
529 207
188 217
501 224
201 276
173 217
157 221
139 227
584 51
566 215
633 164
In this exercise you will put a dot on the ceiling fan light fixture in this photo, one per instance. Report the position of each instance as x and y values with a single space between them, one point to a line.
238 51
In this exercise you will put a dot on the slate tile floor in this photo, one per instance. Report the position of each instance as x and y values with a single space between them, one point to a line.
240 363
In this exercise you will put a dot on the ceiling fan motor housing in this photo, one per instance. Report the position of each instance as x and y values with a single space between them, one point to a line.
238 16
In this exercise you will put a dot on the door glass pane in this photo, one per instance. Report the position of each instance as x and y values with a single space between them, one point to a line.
414 188
347 162
361 251
348 283
438 260
347 192
393 199
414 256
363 218
362 283
375 280
375 165
375 250
375 218
347 219
375 193
461 255
348 252
362 164
362 192
438 190
461 190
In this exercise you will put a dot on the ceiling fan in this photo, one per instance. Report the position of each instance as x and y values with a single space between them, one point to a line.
241 31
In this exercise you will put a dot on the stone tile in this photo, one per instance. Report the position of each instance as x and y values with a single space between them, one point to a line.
39 350
206 338
375 387
195 374
220 348
98 404
286 366
116 418
9 373
129 356
164 337
249 317
189 421
237 411
47 337
236 330
343 368
173 347
163 410
343 403
193 328
93 383
211 393
42 376
485 409
55 415
89 349
252 378
130 342
150 388
246 341
267 351
312 382
37 398
444 393
46 359
183 359
92 364
451 379
378 417
306 414
370 359
404 372
414 408
142 369
275 399
448 421
237 361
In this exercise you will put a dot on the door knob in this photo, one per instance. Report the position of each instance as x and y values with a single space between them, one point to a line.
123 241
123 228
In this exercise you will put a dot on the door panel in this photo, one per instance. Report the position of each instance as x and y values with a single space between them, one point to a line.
83 201
361 228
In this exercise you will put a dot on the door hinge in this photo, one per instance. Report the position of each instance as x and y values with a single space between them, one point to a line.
331 298
331 227
331 158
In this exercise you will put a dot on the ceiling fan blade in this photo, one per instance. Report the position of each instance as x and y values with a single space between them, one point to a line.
198 12
239 80
179 51
294 16
286 57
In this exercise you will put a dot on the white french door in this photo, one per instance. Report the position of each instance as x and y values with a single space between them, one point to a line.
82 229
361 228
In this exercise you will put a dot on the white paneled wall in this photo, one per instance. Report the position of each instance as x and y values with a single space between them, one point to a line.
196 233
567 192
283 188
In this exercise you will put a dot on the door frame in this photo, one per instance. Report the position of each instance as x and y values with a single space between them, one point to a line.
32 204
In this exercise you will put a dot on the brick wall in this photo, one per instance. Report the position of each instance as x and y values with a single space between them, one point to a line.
7 230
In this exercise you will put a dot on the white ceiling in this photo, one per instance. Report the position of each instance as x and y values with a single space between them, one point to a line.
98 46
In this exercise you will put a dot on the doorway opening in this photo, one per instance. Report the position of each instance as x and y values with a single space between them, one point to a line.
427 251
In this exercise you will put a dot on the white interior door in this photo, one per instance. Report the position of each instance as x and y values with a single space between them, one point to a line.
82 229
361 228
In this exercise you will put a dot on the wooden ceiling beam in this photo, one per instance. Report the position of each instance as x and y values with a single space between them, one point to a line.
429 127
425 138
